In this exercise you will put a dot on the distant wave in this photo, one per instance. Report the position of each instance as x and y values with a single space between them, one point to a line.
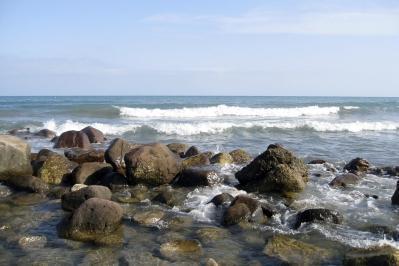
224 110
195 128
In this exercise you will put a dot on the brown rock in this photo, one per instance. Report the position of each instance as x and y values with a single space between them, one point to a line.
71 139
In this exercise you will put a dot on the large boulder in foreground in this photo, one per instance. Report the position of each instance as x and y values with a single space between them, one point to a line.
55 169
14 157
277 170
71 139
357 166
72 200
94 218
94 135
116 151
152 164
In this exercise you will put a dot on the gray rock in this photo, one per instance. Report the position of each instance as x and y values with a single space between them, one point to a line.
73 200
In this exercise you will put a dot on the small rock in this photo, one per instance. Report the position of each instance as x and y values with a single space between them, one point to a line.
320 215
149 218
196 161
46 133
192 151
317 161
32 242
345 180
240 156
80 156
373 257
222 199
222 158
181 248
193 177
71 139
357 166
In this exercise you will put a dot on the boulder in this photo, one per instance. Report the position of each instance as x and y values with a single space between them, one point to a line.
193 177
79 155
222 158
152 164
317 215
236 214
46 133
115 181
376 256
222 199
55 169
277 169
178 148
196 161
90 173
15 157
240 156
116 151
71 139
345 180
395 196
94 218
72 200
357 166
94 135
27 183
38 160
191 152
167 196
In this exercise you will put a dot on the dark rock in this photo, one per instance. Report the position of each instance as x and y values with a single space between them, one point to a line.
71 139
251 203
46 133
84 156
178 148
392 171
317 161
395 196
222 199
115 181
55 169
198 177
277 169
236 214
166 197
27 183
320 215
90 173
191 152
14 157
344 180
357 166
195 161
152 164
384 231
376 171
95 135
116 151
240 156
222 158
56 192
376 256
73 200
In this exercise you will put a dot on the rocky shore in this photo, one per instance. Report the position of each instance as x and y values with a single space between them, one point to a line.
113 199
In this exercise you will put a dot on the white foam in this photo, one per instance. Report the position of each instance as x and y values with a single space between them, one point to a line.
350 107
224 110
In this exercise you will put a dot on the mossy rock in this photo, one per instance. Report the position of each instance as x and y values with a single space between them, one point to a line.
240 156
55 168
372 257
222 158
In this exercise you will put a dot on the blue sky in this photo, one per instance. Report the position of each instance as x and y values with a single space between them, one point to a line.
277 47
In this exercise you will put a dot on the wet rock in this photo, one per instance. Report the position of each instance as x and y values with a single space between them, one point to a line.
295 252
178 148
222 158
90 173
251 203
15 157
372 257
211 262
180 222
80 156
376 171
71 139
345 180
181 248
116 151
384 231
192 151
55 169
317 161
32 242
167 197
28 183
94 135
77 187
131 258
115 181
357 166
95 217
152 164
277 169
193 177
73 200
392 171
38 160
317 215
240 156
236 214
210 234
56 192
27 199
149 218
46 133
395 196
222 199
140 192
196 161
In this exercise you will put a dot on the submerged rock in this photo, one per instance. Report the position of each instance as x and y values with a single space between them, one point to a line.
149 218
345 180
179 248
14 157
116 151
277 169
152 164
71 139
178 148
46 133
94 135
196 161
79 155
28 243
372 257
222 199
317 215
72 200
357 166
55 169
235 214
198 177
240 156
209 234
28 183
222 158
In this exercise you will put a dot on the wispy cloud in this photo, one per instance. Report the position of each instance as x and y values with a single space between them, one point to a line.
322 22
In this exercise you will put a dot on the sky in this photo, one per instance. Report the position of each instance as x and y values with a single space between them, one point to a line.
207 47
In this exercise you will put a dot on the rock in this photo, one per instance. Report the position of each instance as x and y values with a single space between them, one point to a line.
198 177
395 196
295 252
80 156
240 156
317 161
392 171
71 139
236 214
167 197
73 200
39 159
181 248
15 157
46 133
95 217
116 151
256 211
383 231
192 151
376 171
277 169
115 181
28 183
56 192
55 169
357 166
345 180
209 234
222 199
94 135
222 158
251 203
90 173
317 215
211 262
27 199
32 242
77 187
178 148
149 218
152 164
372 257
196 161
